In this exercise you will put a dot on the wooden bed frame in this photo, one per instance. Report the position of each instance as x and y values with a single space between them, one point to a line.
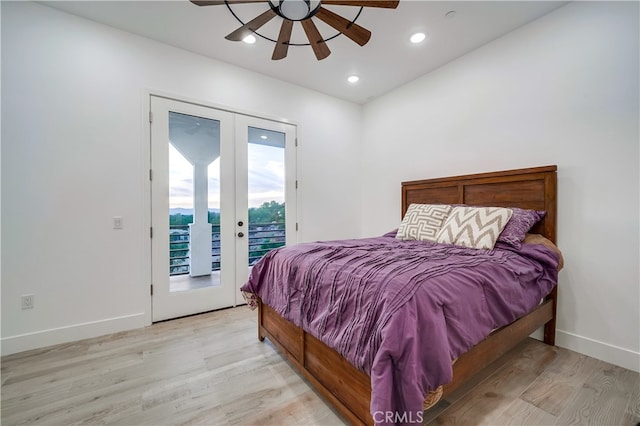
349 389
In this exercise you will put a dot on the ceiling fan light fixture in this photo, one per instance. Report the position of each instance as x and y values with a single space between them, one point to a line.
295 10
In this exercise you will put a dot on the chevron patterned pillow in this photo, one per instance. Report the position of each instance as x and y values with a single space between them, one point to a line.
475 227
422 222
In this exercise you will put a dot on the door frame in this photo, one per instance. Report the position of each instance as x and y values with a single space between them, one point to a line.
143 291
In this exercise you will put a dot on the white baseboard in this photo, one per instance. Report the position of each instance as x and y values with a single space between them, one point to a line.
603 351
595 349
54 336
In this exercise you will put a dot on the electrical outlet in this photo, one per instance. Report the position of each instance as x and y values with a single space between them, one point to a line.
27 301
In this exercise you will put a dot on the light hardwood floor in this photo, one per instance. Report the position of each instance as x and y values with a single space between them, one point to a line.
210 369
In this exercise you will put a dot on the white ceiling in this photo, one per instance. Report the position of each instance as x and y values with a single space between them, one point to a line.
386 62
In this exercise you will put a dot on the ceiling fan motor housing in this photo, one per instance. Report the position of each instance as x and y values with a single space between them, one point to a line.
295 10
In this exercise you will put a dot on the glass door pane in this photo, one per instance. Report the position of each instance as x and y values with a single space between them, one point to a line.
194 201
266 192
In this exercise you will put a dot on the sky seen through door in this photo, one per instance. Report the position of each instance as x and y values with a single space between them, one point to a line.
266 178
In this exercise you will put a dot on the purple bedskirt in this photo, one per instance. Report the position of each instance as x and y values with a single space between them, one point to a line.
402 311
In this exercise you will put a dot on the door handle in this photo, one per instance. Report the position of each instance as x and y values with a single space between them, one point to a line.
240 234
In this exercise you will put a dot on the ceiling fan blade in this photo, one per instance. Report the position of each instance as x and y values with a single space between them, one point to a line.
318 45
251 26
282 45
390 4
352 30
220 2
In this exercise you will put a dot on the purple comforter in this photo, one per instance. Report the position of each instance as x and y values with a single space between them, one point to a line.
401 311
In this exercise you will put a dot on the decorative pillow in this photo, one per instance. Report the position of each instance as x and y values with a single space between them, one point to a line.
520 223
475 227
422 222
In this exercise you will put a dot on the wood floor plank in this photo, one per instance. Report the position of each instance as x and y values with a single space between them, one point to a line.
5 373
603 398
521 412
304 410
75 408
632 413
562 378
445 403
48 355
497 392
489 399
31 404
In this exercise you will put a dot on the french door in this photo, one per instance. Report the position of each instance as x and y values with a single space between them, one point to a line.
222 195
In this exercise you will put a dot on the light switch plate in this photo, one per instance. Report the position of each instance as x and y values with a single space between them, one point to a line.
117 222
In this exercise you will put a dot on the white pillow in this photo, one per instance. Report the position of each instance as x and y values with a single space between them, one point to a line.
423 221
475 227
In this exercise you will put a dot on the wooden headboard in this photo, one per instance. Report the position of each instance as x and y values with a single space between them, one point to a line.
533 188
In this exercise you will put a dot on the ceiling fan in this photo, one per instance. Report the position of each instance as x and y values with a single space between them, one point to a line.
302 11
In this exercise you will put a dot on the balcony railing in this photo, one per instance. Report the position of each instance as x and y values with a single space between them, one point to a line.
262 238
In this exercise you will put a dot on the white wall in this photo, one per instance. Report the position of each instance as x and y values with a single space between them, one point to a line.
73 156
562 90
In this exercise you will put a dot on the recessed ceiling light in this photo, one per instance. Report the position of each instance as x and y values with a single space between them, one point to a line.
250 39
418 38
353 79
